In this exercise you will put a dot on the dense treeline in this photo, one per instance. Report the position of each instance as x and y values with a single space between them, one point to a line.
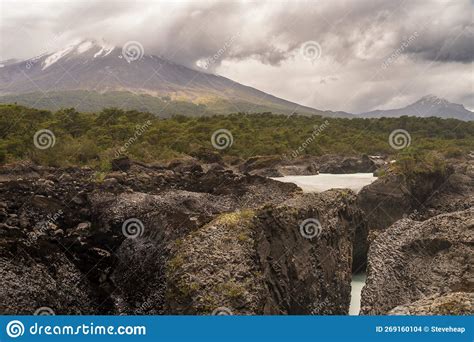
94 139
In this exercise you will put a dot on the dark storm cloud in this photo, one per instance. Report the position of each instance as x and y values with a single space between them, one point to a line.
459 47
269 31
358 39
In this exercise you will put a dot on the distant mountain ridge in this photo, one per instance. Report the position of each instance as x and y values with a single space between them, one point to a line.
91 75
57 79
429 105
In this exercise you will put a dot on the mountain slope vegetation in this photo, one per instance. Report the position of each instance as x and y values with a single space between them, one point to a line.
96 138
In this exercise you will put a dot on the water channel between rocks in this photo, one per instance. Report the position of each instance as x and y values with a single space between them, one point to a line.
326 181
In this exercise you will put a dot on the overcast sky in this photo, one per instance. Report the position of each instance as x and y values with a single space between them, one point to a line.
353 56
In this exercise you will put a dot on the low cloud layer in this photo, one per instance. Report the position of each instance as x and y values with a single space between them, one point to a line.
370 54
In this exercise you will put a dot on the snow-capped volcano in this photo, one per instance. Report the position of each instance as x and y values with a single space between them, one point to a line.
91 75
95 49
93 66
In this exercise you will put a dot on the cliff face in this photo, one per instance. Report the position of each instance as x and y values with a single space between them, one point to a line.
412 260
170 239
197 238
290 258
306 274
418 197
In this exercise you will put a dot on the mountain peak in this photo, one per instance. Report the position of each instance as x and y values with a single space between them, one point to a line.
432 99
78 47
428 105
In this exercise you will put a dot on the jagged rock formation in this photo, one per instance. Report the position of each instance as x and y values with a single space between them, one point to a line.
419 197
338 164
411 260
260 263
394 196
276 166
62 241
210 237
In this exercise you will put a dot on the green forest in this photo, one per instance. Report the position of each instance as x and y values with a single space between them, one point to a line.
95 138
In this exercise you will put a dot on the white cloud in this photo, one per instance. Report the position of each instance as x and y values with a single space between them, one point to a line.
356 38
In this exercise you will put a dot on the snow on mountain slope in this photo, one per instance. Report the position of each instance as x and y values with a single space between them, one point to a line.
99 67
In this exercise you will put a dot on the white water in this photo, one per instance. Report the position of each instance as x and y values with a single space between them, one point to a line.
326 181
358 282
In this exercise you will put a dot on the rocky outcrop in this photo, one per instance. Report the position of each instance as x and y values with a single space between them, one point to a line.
385 201
338 164
215 268
455 194
278 166
308 275
33 278
149 225
455 303
411 260
63 241
193 236
419 196
395 195
291 258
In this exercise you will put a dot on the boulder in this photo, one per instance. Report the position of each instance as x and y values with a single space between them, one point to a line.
146 226
385 201
290 258
38 273
412 260
338 164
121 164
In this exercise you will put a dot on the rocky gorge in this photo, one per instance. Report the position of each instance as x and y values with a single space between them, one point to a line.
203 236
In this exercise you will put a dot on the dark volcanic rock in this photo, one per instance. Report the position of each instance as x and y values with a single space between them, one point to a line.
411 260
308 275
165 219
395 196
121 164
63 228
258 262
29 284
337 164
277 166
455 194
418 197
159 220
385 201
